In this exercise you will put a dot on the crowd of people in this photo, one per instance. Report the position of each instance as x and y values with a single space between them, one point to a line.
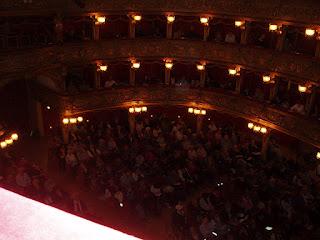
216 185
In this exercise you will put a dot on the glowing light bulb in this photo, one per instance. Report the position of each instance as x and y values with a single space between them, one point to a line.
80 119
302 89
135 65
190 110
103 68
310 32
65 121
48 107
3 144
14 136
203 112
263 130
131 110
273 27
171 19
101 20
266 78
250 125
204 20
238 23
256 128
137 109
73 120
9 141
318 155
232 71
144 109
200 67
137 17
169 65
197 111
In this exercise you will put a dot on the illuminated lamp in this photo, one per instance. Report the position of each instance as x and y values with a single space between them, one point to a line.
273 27
137 109
135 65
302 89
14 136
266 78
190 110
239 23
48 107
203 112
169 65
9 141
318 155
137 17
65 121
310 32
73 120
171 19
131 110
144 109
100 20
3 144
80 119
200 67
196 111
204 20
103 68
250 125
263 130
256 128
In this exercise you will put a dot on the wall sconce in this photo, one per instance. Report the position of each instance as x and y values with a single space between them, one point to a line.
136 18
268 78
168 64
234 71
302 89
100 20
138 109
197 111
102 68
170 19
201 67
5 143
239 24
135 65
318 155
72 120
273 27
204 21
257 128
310 32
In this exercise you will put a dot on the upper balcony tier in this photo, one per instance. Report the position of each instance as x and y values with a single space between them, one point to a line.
307 11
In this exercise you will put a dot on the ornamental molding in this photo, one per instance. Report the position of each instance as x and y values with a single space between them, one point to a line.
284 10
298 68
297 126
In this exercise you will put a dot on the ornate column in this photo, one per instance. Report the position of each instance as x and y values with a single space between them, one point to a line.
199 123
97 78
132 77
239 82
317 53
132 122
167 75
96 31
311 100
202 78
132 29
169 29
245 34
35 117
265 145
274 90
281 39
58 28
206 32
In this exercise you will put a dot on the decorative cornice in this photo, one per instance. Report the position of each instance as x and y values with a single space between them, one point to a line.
294 125
299 68
285 10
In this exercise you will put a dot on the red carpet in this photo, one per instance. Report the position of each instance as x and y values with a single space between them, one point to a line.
25 219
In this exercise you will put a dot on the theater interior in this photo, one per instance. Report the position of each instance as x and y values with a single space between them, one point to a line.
163 119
